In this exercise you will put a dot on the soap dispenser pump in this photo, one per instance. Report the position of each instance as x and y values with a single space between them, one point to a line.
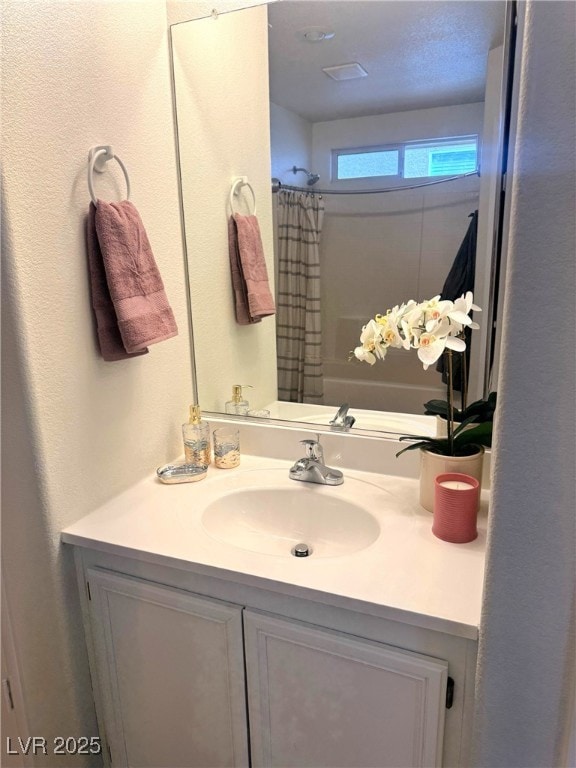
196 434
238 405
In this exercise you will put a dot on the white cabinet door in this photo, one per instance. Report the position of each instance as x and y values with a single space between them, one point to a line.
170 675
320 698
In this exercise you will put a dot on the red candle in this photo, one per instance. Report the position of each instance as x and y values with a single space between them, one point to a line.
456 502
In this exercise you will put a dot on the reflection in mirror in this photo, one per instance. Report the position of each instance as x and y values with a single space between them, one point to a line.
427 106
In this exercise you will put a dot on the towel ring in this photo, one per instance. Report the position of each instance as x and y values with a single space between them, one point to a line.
238 183
97 159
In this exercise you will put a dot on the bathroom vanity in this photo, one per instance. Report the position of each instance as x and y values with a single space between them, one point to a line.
211 646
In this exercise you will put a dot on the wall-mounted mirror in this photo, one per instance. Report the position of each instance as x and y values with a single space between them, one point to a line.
268 92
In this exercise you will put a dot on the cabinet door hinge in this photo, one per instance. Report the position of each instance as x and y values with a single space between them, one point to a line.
88 590
449 693
8 692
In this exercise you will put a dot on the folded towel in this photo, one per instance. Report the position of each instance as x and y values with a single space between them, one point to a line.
109 338
136 288
253 298
238 282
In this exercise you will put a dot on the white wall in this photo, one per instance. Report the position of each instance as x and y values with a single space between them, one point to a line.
221 68
380 250
179 11
412 125
291 145
527 656
77 430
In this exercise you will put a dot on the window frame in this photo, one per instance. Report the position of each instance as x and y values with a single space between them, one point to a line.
400 147
336 153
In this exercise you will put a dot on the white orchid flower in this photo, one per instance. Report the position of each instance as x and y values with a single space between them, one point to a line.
389 329
371 340
468 297
435 310
409 333
462 307
431 347
430 327
432 343
407 308
456 344
371 333
364 355
413 313
412 324
439 328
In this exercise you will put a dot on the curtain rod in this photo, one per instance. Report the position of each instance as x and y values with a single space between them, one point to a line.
277 185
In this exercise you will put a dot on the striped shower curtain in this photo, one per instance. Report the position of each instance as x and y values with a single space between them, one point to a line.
298 319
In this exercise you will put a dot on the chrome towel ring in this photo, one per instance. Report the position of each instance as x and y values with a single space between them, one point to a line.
237 184
97 159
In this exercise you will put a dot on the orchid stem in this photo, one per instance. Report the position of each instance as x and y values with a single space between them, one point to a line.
450 422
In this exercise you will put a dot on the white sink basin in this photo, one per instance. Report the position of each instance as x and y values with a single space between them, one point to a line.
264 511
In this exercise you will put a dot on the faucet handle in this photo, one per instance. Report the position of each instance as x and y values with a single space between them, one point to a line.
342 422
313 449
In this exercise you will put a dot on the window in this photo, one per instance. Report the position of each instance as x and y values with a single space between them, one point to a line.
445 157
365 165
410 160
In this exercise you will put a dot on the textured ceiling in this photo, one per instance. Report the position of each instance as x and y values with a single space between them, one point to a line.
418 54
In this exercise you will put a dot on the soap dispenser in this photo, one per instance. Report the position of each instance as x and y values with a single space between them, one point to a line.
196 434
238 405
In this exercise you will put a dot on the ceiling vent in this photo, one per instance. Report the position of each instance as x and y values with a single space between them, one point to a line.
350 71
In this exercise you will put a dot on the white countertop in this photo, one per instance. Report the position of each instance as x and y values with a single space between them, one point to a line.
407 574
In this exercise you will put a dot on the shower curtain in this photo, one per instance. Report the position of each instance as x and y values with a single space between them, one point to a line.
298 319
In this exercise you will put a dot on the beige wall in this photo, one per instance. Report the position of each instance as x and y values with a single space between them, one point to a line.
77 430
221 80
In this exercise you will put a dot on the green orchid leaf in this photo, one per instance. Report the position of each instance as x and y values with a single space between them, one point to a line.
481 410
413 447
462 444
479 435
416 437
438 445
435 442
463 425
436 408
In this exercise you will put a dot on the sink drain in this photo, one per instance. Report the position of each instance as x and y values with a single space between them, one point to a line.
301 550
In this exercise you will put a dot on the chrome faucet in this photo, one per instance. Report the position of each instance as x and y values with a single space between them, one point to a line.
311 468
342 422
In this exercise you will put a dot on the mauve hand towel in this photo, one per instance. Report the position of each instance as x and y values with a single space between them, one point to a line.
238 282
136 288
253 266
109 338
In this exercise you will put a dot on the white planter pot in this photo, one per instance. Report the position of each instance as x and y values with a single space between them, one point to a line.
433 464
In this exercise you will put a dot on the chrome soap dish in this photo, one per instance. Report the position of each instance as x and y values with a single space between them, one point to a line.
182 473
